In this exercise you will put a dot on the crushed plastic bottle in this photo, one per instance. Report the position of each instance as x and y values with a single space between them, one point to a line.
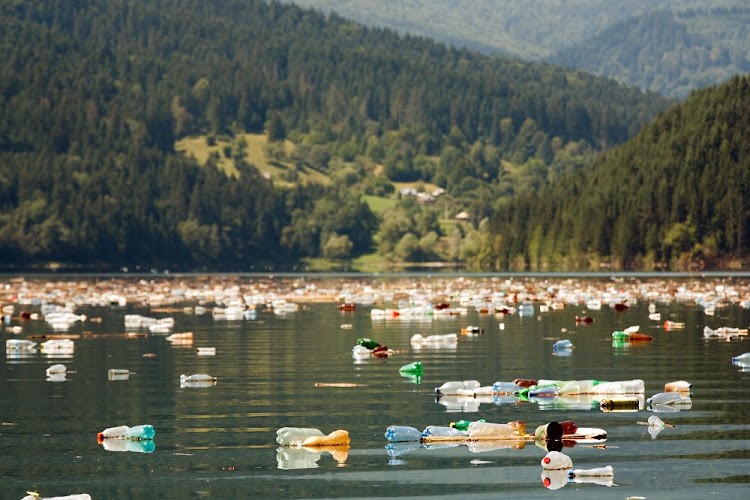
400 433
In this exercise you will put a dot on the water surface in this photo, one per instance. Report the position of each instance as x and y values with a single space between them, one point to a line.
218 441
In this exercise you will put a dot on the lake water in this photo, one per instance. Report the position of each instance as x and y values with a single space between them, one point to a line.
219 441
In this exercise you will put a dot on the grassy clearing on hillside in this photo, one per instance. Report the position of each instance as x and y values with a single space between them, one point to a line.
379 204
255 155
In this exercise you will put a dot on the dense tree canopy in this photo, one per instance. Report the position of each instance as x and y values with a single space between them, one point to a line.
94 94
674 197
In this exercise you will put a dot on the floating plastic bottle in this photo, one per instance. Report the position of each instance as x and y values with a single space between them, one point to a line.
547 391
575 387
415 367
197 380
368 343
620 404
121 445
140 432
113 432
666 398
678 386
399 433
77 496
551 431
596 472
489 430
554 460
463 425
454 386
360 351
118 374
56 370
295 436
562 345
19 345
137 433
635 386
743 358
568 427
338 437
630 336
439 431
505 388
654 421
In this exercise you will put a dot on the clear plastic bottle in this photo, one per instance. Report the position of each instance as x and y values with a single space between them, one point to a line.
399 433
453 386
745 357
562 345
294 436
597 472
439 431
197 377
505 388
489 430
546 391
577 387
635 386
664 398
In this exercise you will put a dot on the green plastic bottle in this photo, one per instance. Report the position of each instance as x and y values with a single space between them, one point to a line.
619 335
369 343
463 425
415 367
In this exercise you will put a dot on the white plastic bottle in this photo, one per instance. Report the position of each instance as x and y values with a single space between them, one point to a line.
294 436
115 432
555 460
454 386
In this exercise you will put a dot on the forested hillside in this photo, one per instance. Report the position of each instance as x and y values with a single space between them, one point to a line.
668 52
666 46
94 94
674 197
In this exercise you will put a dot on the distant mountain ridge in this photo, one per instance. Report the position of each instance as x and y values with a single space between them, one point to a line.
594 35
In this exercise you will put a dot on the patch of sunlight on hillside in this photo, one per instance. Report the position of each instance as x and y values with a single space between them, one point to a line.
282 172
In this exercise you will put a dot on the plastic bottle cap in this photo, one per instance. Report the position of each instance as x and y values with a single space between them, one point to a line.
100 437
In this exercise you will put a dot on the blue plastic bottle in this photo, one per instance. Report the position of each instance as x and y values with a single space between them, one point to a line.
398 433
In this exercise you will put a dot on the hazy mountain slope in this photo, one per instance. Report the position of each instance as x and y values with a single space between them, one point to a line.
675 197
669 53
531 29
